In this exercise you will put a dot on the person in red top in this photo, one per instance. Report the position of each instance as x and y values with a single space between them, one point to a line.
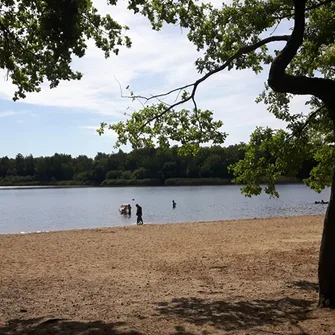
139 214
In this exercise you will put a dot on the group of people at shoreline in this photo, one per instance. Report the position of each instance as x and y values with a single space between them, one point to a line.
126 210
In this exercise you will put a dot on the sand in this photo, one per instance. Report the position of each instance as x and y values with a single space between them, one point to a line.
228 277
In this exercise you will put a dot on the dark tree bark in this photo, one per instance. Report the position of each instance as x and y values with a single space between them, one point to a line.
280 81
323 89
326 272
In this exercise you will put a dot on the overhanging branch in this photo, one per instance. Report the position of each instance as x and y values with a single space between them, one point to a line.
244 50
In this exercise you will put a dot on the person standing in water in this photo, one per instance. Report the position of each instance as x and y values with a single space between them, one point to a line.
139 214
174 204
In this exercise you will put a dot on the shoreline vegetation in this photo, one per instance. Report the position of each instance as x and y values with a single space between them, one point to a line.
142 167
20 182
255 276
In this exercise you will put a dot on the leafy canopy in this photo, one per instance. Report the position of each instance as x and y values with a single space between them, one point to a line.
38 39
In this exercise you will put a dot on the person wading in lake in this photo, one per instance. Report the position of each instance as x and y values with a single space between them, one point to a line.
139 214
174 204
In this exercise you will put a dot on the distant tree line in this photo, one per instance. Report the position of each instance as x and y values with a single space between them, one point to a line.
138 167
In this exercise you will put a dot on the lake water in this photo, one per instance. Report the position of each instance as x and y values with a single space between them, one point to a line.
47 209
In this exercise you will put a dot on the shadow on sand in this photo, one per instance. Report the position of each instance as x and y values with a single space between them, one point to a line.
266 315
305 285
62 327
240 315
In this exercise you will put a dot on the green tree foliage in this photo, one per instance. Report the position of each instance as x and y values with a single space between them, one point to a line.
39 39
159 124
113 174
208 166
19 165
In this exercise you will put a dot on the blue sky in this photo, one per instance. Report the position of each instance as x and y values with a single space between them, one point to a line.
64 119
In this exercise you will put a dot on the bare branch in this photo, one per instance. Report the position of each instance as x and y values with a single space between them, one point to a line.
122 96
177 97
162 101
138 98
196 113
244 50
275 28
179 89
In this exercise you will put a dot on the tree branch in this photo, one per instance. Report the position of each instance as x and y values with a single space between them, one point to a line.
309 118
289 51
14 38
315 6
244 50
279 81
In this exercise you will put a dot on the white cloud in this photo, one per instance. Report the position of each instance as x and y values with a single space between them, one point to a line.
12 113
98 91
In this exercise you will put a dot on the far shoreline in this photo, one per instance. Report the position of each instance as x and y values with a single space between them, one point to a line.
55 186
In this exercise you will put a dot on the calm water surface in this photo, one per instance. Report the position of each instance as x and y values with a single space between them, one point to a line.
31 210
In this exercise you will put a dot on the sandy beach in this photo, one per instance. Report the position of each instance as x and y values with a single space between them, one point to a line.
227 277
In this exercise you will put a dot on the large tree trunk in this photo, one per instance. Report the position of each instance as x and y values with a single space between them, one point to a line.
326 270
324 89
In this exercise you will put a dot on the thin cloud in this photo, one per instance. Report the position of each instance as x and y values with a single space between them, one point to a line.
12 113
93 131
88 127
